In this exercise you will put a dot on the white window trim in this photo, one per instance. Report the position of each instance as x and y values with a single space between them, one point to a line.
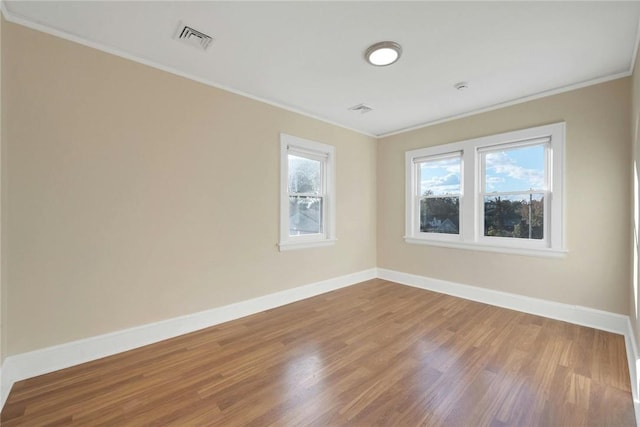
437 237
471 209
323 152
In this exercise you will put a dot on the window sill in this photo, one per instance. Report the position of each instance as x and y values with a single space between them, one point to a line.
289 246
540 252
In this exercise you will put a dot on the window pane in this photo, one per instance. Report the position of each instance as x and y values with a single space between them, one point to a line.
305 215
440 215
516 169
304 175
439 177
519 216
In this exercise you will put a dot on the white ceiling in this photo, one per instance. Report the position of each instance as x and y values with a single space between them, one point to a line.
308 56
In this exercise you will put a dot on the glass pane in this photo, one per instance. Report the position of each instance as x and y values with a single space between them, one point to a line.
304 175
440 215
439 177
516 169
520 216
305 215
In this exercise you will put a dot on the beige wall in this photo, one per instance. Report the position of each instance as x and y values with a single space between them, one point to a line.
132 195
595 273
3 311
135 195
634 289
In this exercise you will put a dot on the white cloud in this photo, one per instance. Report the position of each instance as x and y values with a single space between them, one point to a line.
492 182
449 183
500 163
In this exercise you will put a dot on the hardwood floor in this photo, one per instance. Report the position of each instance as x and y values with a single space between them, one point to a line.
373 354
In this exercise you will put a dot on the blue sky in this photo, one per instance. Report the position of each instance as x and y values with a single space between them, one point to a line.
441 176
518 169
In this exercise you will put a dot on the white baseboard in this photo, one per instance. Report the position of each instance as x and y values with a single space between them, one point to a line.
38 362
576 314
634 368
26 365
584 316
3 392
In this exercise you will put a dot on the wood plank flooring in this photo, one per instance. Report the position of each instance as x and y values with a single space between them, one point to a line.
373 354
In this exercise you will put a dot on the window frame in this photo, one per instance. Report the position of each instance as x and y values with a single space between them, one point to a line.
472 176
445 237
316 151
546 192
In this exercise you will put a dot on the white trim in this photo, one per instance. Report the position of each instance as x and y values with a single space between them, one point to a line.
472 191
38 362
4 388
326 155
579 315
20 20
289 246
634 56
26 365
540 252
634 360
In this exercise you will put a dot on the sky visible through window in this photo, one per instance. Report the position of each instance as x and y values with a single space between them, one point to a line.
516 169
440 177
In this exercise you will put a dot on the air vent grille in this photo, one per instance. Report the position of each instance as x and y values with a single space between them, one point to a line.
361 108
193 37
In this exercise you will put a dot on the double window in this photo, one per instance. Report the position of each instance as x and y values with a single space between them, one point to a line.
307 193
501 193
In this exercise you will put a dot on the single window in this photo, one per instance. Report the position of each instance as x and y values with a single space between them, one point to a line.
307 193
502 192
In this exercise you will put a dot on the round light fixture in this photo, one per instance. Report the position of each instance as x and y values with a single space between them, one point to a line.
383 53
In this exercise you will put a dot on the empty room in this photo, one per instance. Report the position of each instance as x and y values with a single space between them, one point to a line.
313 213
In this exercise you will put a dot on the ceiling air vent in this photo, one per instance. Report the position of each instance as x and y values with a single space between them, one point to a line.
361 108
193 37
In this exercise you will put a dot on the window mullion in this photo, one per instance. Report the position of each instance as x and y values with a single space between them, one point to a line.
510 157
512 193
468 197
305 194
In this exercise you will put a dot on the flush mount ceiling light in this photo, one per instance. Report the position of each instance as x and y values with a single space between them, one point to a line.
383 53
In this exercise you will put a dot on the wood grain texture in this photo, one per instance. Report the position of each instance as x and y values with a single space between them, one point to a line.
373 354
